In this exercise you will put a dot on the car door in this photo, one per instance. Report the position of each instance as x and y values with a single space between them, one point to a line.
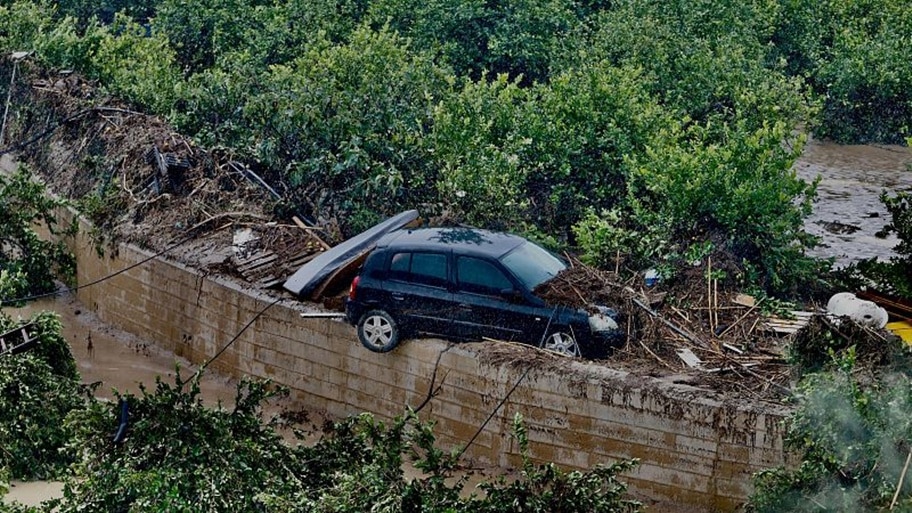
417 291
489 304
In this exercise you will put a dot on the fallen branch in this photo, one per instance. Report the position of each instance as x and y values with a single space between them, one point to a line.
434 391
222 216
902 477
668 323
732 325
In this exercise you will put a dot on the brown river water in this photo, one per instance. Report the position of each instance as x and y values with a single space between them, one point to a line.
848 212
847 216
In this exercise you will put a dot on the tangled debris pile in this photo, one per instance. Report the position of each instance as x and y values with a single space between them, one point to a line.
139 182
700 330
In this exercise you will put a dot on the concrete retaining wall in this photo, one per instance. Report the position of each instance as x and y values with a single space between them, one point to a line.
696 454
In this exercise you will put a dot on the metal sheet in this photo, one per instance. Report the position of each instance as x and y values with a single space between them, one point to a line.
312 274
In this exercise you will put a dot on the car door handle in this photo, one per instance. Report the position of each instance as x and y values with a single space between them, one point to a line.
397 297
465 306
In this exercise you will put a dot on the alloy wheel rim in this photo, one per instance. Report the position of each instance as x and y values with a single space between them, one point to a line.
561 343
377 330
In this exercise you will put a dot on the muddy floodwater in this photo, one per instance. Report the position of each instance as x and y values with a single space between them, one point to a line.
848 213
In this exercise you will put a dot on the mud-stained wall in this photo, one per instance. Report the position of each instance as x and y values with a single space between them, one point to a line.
695 454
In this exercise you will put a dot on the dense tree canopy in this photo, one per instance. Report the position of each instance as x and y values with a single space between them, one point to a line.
546 117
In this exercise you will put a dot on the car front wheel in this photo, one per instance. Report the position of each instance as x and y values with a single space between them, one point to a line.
561 342
378 331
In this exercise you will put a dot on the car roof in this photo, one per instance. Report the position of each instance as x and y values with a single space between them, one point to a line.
467 241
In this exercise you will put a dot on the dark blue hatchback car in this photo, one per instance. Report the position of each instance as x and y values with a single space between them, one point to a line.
469 284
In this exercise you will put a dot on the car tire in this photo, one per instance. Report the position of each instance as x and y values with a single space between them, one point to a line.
378 331
561 341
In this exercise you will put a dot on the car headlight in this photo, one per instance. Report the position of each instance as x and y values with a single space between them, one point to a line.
603 320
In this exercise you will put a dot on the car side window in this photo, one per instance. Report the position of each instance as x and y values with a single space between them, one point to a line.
481 277
423 268
399 266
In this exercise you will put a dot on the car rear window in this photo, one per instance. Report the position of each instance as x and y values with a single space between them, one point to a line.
532 264
422 268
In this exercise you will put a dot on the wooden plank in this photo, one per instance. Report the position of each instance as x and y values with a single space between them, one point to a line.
744 300
255 258
17 339
689 358
310 231
261 264
788 326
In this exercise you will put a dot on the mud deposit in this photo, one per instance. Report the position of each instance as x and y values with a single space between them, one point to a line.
848 213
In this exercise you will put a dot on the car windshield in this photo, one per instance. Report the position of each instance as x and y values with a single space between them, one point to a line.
532 264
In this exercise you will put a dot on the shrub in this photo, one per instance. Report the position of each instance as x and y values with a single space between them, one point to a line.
30 264
38 388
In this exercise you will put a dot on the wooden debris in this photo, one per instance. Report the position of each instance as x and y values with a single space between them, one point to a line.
784 326
689 358
321 315
17 340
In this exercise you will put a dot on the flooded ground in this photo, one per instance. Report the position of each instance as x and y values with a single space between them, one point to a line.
848 213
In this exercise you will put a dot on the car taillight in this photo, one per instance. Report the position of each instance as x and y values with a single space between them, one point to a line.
353 288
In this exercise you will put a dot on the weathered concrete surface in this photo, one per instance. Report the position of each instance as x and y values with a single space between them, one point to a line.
694 452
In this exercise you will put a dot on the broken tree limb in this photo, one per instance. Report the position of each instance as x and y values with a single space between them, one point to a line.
732 325
434 391
253 177
310 229
222 216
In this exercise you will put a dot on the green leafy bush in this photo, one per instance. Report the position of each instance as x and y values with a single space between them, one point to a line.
29 264
857 56
179 455
853 440
347 125
740 193
38 388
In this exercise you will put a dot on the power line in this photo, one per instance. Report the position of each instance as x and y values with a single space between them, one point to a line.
237 336
99 280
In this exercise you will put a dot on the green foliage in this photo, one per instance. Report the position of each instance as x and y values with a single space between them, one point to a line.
477 143
853 441
29 264
858 56
582 128
37 390
132 64
477 38
456 31
22 22
180 455
703 58
105 10
348 126
730 184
